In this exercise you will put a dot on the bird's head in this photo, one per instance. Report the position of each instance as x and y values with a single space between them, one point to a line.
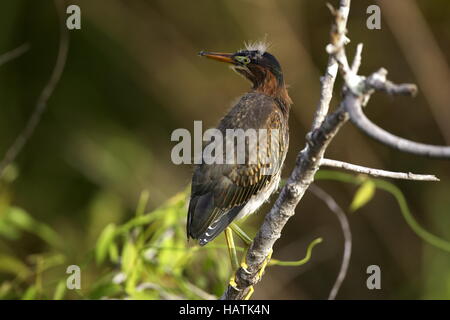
254 63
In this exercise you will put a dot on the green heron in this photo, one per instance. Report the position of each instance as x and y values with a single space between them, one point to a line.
222 193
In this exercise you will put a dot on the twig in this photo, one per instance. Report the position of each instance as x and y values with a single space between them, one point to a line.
165 295
377 172
378 82
345 226
13 54
328 79
199 292
357 59
336 48
41 104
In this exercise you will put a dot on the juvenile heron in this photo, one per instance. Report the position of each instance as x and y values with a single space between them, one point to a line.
222 193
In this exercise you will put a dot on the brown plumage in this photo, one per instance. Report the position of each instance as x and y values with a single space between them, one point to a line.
224 192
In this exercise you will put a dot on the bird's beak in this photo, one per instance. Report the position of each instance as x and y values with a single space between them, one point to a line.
222 57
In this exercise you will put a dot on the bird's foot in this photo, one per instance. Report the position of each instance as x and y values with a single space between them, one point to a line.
264 265
244 265
249 293
233 283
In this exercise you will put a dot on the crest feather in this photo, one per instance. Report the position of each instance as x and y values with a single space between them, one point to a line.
260 46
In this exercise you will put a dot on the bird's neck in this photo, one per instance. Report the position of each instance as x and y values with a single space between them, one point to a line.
273 87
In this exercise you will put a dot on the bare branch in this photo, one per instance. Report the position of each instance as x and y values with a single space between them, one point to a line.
41 104
378 82
377 172
363 87
336 48
345 226
13 54
328 79
357 59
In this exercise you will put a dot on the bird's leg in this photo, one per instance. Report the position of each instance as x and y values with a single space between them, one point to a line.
231 249
241 234
247 240
232 254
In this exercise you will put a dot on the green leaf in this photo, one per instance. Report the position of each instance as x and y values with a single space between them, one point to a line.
47 234
19 218
60 290
8 231
363 195
12 265
49 260
30 294
104 242
129 256
113 253
104 290
142 204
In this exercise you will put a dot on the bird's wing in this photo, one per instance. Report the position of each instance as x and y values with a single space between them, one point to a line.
220 191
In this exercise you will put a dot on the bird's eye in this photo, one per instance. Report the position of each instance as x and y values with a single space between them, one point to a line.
242 59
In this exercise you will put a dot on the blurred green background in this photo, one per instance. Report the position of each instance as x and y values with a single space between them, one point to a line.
133 76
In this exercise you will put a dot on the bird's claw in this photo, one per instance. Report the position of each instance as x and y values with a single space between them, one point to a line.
264 265
244 267
233 283
249 293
